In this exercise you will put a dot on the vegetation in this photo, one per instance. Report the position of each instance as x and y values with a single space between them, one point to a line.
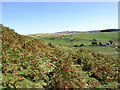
31 63
86 38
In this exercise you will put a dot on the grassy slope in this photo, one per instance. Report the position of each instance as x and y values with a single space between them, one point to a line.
81 37
84 38
32 63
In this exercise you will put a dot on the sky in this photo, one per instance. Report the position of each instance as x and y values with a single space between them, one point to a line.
50 17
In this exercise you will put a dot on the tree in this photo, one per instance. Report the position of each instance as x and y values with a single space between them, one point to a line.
111 42
100 43
94 42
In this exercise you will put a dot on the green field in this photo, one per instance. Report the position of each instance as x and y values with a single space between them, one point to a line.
85 38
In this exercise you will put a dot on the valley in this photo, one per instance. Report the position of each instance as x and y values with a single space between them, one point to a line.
71 39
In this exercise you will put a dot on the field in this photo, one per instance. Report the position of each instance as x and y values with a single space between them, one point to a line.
83 38
28 62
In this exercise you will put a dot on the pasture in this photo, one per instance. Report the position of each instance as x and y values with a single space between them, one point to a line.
84 38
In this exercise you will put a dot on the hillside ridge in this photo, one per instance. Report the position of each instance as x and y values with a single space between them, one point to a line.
31 63
105 30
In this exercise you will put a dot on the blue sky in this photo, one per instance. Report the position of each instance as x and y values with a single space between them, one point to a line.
51 17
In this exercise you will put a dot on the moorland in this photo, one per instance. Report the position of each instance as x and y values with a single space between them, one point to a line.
29 62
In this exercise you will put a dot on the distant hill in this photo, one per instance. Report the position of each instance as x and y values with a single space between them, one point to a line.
31 63
107 30
95 31
70 32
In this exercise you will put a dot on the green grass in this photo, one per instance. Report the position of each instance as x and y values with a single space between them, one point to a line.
109 51
85 38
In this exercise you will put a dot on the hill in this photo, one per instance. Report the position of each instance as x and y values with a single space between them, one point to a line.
69 32
85 38
31 63
110 30
106 30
